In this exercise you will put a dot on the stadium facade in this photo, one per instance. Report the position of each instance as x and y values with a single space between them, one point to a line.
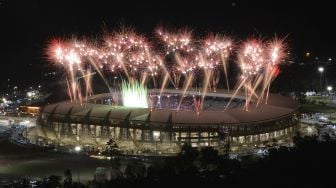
145 130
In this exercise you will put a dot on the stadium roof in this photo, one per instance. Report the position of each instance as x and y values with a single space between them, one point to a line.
277 106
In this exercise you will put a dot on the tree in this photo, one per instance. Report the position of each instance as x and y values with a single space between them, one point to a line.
113 151
135 170
24 183
186 160
112 148
209 158
162 170
100 175
300 97
54 181
151 172
326 137
100 179
67 182
188 153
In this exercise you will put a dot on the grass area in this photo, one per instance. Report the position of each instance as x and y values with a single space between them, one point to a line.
313 108
36 162
54 166
8 148
324 99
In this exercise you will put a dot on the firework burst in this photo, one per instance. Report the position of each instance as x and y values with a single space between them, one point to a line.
175 57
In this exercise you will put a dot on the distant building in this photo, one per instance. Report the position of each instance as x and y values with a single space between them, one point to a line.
30 110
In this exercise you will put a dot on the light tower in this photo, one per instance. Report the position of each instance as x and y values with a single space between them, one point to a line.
321 70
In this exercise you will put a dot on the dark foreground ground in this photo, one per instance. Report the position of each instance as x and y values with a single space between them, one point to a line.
310 163
17 161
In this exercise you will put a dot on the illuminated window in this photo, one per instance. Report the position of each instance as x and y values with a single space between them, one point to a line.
241 139
156 135
204 134
138 134
194 134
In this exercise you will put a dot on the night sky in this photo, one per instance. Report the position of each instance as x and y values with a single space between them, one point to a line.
27 26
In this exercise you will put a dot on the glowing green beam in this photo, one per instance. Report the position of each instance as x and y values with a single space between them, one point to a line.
134 94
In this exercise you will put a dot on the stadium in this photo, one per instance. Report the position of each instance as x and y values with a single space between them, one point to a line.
163 129
169 90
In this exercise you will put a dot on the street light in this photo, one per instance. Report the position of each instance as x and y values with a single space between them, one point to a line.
321 70
329 88
78 149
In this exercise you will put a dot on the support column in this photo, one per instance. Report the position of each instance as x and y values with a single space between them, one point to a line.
209 141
